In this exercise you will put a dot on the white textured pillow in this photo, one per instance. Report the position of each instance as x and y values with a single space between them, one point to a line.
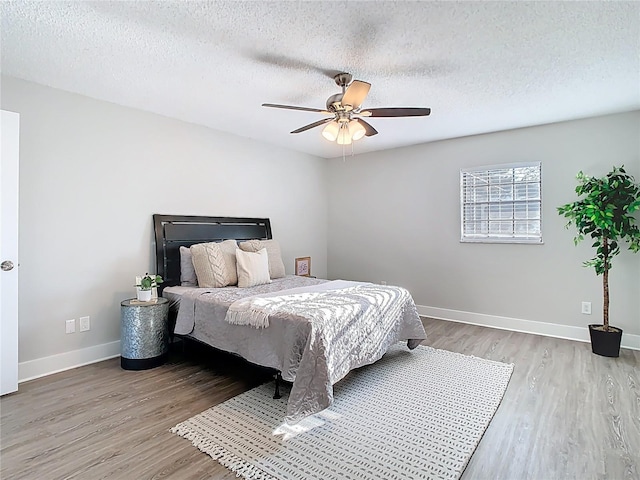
276 265
215 263
253 268
188 276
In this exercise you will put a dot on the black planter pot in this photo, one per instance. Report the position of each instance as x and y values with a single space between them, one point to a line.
604 343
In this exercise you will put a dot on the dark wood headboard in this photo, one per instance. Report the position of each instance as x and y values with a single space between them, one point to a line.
175 231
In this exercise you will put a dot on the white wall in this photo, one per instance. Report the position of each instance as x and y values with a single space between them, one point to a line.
394 216
91 176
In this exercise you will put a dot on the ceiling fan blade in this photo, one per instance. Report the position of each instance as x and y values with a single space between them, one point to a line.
396 112
370 131
314 124
291 107
356 93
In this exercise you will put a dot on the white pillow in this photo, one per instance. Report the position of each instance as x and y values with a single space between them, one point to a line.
253 268
276 265
215 263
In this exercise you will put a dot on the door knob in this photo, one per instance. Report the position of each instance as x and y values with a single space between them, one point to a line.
6 265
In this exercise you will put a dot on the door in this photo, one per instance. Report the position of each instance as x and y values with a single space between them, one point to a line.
9 154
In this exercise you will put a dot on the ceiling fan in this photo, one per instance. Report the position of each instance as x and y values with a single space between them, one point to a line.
346 122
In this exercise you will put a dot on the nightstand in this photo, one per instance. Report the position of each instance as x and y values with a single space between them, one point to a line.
144 333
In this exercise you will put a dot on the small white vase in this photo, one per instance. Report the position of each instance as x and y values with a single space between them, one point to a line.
144 295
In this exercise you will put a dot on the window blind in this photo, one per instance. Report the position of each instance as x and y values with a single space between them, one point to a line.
502 203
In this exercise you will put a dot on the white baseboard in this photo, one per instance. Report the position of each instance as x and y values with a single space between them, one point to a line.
41 367
581 334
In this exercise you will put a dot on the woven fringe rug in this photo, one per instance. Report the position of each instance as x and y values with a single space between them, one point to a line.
412 415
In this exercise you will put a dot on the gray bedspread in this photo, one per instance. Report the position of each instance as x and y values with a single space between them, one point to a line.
316 337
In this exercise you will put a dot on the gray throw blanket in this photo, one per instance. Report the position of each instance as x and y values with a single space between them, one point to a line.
255 311
348 325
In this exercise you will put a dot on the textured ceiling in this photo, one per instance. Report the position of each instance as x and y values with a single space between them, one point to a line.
480 66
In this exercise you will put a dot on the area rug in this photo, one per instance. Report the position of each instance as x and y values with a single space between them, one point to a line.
412 415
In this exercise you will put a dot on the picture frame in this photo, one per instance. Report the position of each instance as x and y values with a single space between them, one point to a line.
303 266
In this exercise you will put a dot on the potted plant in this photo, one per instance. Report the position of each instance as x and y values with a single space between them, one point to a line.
145 284
605 213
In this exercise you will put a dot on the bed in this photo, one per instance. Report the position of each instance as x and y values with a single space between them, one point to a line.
311 331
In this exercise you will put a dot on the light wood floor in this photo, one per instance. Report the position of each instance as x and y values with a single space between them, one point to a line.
567 414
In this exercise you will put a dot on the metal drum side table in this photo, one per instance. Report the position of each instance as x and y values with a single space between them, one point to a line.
144 334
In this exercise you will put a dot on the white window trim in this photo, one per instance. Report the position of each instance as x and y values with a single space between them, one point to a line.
495 238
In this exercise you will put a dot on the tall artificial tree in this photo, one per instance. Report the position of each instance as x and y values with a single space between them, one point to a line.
605 213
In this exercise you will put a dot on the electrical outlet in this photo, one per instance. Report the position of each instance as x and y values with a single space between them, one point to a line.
85 324
70 326
586 308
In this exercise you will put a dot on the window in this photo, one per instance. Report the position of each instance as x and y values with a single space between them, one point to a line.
502 203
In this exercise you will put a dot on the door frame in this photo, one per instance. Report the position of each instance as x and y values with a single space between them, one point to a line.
9 184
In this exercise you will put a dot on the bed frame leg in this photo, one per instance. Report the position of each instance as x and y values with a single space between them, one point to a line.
276 394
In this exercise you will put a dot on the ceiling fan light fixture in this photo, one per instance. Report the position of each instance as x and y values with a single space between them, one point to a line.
330 132
356 130
344 137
